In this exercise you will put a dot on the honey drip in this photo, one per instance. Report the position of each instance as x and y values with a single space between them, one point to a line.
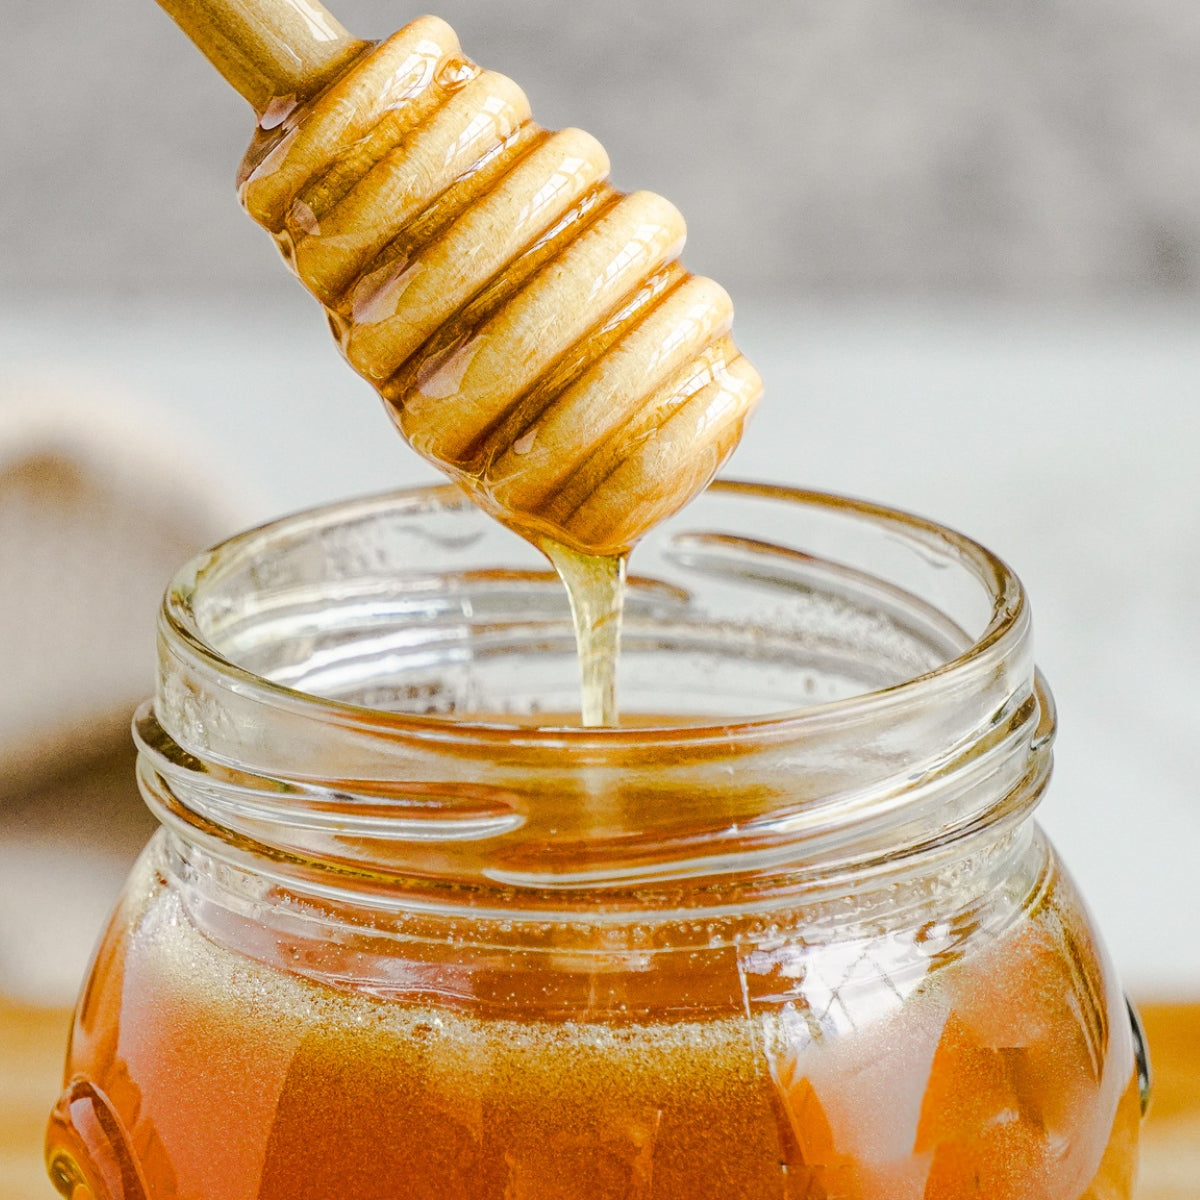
595 587
527 325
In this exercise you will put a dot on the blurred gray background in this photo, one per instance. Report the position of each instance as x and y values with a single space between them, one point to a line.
964 241
1002 146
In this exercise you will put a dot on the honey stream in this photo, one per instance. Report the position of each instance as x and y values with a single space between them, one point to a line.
595 588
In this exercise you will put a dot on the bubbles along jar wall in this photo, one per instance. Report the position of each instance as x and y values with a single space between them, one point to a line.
409 932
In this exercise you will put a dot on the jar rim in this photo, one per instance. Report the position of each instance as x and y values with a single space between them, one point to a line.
1005 629
921 721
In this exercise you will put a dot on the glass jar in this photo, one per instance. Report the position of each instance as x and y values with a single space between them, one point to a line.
407 931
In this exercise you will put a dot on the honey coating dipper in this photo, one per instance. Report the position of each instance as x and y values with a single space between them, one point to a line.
528 326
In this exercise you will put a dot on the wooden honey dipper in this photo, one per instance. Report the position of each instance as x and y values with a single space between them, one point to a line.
528 326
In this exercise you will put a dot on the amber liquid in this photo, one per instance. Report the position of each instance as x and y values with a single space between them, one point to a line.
595 588
1001 1076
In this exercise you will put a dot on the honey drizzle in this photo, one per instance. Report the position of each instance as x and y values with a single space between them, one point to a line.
596 590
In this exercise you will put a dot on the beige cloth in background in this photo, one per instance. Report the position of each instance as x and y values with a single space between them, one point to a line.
101 500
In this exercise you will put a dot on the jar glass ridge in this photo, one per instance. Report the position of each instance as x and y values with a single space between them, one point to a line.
689 957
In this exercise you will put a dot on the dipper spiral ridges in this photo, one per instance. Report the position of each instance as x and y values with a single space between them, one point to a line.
527 325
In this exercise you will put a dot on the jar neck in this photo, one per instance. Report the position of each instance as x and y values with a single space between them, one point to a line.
408 812
978 880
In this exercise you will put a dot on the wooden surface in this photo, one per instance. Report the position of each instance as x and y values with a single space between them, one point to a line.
1171 1141
32 1041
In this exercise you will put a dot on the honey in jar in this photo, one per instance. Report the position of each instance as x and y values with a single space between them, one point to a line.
790 930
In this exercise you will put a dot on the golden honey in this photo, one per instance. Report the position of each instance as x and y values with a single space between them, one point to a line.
790 931
231 1078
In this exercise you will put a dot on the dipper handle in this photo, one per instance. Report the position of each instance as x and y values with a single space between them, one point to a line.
268 49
